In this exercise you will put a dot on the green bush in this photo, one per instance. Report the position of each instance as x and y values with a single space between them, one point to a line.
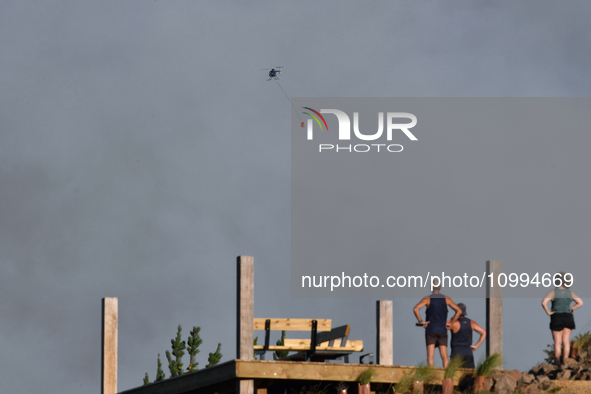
582 341
193 341
178 347
214 357
280 354
159 372
175 365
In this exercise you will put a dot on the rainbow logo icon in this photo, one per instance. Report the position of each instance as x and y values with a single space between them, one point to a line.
315 118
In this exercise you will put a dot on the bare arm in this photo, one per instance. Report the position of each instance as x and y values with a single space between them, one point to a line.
479 330
417 310
578 301
454 327
549 297
455 308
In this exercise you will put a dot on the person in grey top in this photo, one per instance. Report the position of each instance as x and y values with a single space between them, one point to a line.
562 321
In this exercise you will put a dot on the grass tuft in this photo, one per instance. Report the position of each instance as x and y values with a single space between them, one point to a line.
405 383
489 365
554 389
423 373
366 376
454 364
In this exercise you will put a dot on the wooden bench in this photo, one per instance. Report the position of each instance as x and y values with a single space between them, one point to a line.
325 343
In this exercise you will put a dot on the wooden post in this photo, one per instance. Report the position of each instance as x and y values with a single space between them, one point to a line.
109 346
494 308
384 333
244 317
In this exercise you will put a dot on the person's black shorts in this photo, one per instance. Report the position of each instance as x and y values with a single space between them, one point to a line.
467 358
560 321
436 339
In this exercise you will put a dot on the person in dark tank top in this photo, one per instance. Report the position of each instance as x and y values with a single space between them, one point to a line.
461 338
435 323
562 320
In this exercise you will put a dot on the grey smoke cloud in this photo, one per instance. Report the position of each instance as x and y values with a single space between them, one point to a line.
142 151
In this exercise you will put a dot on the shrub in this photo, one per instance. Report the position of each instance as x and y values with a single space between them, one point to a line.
159 372
280 354
193 341
214 357
175 364
582 341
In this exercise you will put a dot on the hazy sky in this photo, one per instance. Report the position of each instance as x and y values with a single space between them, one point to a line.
142 151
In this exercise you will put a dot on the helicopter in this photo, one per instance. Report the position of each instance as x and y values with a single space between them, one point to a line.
274 75
273 72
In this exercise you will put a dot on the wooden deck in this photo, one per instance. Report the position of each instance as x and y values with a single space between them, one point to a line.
223 378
